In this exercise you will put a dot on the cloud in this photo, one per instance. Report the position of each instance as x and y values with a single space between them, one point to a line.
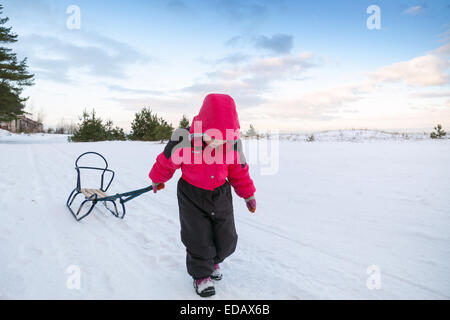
157 103
443 51
234 58
330 98
169 107
252 83
278 43
432 94
95 55
424 71
428 70
244 94
239 11
444 36
279 67
415 10
118 88
26 11
253 80
320 105
51 69
234 41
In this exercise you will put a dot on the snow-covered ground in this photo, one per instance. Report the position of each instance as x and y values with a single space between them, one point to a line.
8 137
356 135
332 210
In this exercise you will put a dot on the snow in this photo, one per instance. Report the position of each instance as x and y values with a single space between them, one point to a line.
27 138
356 135
333 209
352 135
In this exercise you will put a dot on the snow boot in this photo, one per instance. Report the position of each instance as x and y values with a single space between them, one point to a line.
204 287
216 275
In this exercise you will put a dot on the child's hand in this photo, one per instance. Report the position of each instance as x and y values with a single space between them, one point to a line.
157 186
251 204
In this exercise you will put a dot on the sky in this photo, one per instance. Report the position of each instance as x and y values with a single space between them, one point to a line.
290 66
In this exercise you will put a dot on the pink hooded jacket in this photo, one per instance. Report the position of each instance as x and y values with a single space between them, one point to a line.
201 165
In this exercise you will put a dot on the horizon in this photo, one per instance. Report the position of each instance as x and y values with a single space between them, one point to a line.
290 66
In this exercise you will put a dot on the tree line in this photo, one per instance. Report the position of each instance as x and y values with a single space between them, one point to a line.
146 126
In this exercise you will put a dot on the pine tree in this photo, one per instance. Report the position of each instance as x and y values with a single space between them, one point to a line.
147 126
144 125
114 133
163 131
90 129
439 134
252 132
184 122
14 75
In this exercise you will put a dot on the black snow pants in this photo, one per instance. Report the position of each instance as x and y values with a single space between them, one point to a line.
207 226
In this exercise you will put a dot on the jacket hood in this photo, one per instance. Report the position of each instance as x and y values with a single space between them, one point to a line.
218 112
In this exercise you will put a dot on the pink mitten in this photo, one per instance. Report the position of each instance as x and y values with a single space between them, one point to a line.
251 204
157 186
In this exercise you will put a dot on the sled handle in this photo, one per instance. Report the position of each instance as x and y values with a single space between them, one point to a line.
92 152
105 169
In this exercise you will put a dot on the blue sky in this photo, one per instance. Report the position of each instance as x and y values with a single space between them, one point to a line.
290 65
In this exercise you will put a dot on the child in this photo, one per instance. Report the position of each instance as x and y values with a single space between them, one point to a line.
209 164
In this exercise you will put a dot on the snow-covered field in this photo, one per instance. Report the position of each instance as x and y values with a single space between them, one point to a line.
333 209
355 135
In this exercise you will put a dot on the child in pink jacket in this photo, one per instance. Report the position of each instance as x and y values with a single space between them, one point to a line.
210 156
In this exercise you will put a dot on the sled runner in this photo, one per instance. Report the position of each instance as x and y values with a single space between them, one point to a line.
90 197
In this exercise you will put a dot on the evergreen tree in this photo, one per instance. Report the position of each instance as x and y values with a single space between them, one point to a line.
439 134
144 125
251 132
184 122
163 131
114 133
14 75
147 126
90 129
311 138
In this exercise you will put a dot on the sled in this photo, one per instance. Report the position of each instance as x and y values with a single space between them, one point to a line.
115 204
